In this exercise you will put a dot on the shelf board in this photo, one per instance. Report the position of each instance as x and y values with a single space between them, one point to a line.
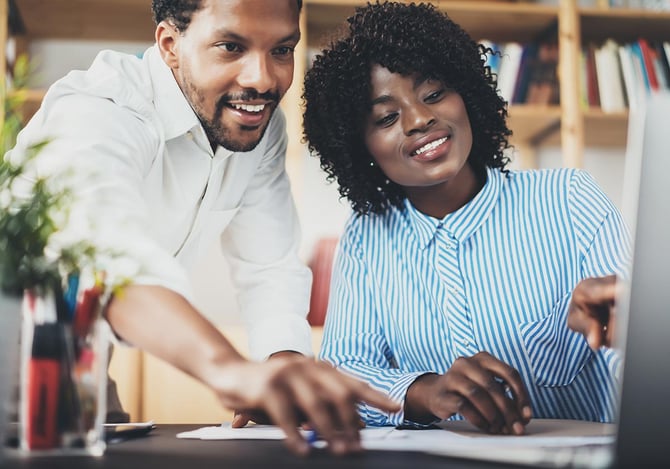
495 21
600 129
129 20
533 124
32 99
605 129
624 24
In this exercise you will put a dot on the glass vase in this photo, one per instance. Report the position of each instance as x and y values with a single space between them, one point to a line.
10 326
63 378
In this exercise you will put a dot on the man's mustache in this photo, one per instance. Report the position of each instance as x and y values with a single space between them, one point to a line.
246 95
250 95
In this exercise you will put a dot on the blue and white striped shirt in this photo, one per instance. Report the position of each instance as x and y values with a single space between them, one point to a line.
411 293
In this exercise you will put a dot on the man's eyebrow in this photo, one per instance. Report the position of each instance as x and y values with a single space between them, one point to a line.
231 35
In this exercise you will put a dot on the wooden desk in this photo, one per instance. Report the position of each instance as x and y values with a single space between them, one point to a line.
161 449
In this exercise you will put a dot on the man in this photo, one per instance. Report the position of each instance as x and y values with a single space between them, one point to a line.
189 146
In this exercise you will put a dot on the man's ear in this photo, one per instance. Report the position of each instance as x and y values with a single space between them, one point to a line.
167 38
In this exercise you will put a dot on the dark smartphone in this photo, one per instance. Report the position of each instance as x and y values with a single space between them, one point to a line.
115 432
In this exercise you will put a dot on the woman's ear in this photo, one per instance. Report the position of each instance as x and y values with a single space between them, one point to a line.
167 38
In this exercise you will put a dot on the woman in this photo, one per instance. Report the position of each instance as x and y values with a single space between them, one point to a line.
454 277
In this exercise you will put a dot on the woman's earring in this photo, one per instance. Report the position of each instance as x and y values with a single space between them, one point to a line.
372 164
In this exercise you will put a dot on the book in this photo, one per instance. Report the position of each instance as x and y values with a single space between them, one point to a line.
662 66
526 66
640 69
543 87
592 77
648 59
632 79
493 57
610 84
583 93
509 68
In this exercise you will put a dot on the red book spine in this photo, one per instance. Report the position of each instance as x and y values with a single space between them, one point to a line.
648 57
592 77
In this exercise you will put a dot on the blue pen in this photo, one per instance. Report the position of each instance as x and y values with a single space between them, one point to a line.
311 436
70 295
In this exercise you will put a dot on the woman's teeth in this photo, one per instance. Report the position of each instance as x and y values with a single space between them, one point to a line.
431 145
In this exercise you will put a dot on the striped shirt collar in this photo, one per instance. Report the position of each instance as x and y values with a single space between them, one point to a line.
462 223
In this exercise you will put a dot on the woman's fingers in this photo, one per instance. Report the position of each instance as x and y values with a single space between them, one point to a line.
511 390
486 391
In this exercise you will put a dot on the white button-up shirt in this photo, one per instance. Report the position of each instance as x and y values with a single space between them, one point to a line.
171 196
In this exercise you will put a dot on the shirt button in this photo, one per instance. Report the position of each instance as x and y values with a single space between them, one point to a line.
466 343
189 135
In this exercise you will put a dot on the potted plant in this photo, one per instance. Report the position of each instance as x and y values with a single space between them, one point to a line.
53 278
10 299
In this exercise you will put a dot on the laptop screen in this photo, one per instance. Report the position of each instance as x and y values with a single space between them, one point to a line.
644 309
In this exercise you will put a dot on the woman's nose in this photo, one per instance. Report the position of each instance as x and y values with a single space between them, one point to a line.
417 118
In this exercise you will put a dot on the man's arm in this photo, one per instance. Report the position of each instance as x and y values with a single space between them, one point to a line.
261 244
285 389
186 339
153 313
592 310
606 247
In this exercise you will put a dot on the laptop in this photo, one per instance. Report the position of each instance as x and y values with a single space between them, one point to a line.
641 437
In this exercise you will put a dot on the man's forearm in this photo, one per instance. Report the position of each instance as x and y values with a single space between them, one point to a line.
163 323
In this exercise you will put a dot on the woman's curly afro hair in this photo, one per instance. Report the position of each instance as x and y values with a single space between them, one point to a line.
406 39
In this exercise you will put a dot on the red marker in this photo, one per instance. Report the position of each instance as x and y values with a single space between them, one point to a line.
43 383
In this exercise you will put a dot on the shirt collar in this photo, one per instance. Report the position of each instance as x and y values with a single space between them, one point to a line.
173 109
462 223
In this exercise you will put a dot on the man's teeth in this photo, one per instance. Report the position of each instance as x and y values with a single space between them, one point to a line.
249 107
431 145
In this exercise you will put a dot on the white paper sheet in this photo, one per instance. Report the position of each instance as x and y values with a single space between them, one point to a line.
271 432
546 442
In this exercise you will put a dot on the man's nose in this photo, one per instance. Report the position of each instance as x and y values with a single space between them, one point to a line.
257 73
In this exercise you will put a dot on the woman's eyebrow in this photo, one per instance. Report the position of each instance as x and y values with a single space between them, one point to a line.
385 98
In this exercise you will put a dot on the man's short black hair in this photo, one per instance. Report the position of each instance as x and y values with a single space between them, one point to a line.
406 39
180 11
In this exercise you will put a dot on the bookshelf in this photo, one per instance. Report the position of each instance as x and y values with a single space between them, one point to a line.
568 125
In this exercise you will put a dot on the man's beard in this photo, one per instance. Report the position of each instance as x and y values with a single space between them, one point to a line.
219 134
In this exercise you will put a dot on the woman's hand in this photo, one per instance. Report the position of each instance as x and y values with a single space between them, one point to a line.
484 390
293 390
592 310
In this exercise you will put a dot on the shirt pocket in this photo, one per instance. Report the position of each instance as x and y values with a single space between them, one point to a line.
557 354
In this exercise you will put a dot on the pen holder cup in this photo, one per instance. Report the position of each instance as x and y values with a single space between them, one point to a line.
10 327
63 378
